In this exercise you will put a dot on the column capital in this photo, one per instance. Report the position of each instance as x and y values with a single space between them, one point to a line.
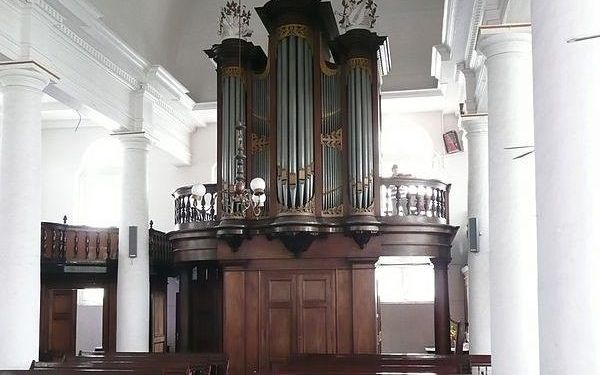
474 124
134 140
440 263
28 75
496 40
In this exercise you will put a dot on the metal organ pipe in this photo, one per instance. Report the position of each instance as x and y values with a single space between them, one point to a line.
301 126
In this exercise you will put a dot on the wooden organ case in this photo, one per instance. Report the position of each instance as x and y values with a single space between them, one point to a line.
298 276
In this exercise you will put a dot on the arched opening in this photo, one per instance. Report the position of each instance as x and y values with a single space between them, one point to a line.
99 184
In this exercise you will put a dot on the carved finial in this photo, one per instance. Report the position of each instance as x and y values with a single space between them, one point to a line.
358 14
65 219
235 21
151 224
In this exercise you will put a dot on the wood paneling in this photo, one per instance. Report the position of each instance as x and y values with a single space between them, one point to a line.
343 309
63 321
158 316
364 309
234 317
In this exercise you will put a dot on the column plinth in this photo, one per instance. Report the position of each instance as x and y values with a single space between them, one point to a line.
476 128
133 279
20 215
512 222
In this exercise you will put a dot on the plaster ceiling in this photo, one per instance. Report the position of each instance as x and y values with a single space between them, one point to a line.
174 33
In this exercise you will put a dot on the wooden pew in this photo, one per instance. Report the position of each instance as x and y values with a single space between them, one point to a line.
368 364
140 363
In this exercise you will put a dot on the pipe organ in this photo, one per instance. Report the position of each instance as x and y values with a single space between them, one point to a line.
312 110
297 275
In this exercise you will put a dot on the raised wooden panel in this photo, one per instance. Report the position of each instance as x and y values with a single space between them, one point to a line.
279 317
252 321
315 318
234 318
158 300
364 310
63 320
343 307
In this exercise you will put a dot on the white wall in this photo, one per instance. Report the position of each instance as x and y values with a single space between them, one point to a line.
89 328
406 328
62 154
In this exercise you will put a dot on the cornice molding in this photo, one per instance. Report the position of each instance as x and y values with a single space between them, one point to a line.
100 71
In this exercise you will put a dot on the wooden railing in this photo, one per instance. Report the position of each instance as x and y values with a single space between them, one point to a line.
192 209
62 243
161 250
481 364
70 243
413 199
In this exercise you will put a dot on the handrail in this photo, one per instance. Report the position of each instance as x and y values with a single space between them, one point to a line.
62 243
409 199
192 209
78 243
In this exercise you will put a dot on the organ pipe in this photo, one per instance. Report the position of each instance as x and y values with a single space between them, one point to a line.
295 120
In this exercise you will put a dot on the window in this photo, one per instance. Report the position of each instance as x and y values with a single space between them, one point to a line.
405 283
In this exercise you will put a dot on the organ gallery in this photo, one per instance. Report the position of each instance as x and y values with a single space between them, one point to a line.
279 256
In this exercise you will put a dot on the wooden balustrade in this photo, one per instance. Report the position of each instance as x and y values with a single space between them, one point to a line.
481 364
413 199
161 250
61 243
70 243
192 209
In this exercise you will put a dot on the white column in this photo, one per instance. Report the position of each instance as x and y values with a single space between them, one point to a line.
133 279
513 261
567 130
20 216
476 128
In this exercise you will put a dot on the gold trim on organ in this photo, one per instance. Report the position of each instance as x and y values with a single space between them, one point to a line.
360 63
258 144
301 31
231 71
333 139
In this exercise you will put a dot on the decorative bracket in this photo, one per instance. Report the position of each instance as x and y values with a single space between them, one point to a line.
362 237
297 242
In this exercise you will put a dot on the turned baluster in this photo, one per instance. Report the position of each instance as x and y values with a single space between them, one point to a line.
75 246
420 201
87 245
108 249
97 245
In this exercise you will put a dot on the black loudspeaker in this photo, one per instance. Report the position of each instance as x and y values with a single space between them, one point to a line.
473 235
133 242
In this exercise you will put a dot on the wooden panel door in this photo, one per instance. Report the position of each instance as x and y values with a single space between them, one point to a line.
316 320
158 318
63 321
278 318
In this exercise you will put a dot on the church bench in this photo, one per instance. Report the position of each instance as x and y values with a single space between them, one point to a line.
147 363
368 364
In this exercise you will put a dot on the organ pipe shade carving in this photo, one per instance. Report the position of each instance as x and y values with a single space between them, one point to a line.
295 119
259 142
360 135
233 112
331 141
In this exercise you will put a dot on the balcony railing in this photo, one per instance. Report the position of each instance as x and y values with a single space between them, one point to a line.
192 209
61 243
79 244
403 200
415 200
